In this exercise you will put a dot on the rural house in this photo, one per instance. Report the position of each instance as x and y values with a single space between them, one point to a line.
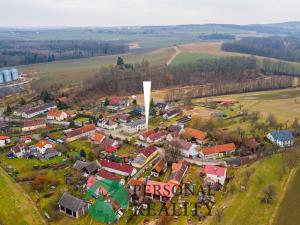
157 137
19 150
104 174
33 125
32 112
43 145
145 135
159 168
218 151
72 206
171 114
215 174
194 134
117 168
4 140
281 138
96 138
80 132
56 114
107 124
144 156
134 126
187 149
178 172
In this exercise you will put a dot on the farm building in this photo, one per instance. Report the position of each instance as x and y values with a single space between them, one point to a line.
194 134
72 206
33 125
81 132
218 151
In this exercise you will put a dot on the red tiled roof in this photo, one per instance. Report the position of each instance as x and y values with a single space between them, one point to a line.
219 149
110 149
148 150
81 130
148 133
117 166
215 170
157 135
97 137
194 133
159 166
108 175
30 123
55 112
4 137
42 143
181 143
137 182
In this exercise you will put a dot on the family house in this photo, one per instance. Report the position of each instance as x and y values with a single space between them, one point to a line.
117 168
104 174
218 151
56 114
43 145
171 114
281 138
19 150
194 134
123 118
26 139
118 103
187 149
107 124
33 125
4 140
145 135
160 191
81 132
157 137
144 156
134 126
96 138
32 112
159 168
178 172
72 206
215 174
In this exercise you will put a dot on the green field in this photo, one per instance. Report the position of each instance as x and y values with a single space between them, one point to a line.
16 207
189 57
245 207
289 209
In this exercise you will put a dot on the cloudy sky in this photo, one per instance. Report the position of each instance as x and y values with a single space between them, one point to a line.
144 12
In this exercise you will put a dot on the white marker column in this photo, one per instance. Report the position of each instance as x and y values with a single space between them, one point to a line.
147 97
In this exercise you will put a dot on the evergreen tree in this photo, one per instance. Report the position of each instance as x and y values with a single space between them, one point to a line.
120 62
82 153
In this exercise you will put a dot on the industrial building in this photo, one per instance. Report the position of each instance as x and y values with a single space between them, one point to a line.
8 75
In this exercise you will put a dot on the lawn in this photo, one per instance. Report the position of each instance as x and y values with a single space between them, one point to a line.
245 207
287 214
16 207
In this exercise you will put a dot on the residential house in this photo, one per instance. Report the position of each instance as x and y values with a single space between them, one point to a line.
171 114
107 124
123 118
157 137
215 174
50 153
33 125
145 135
118 103
187 149
80 132
72 206
145 155
26 139
19 150
218 151
159 168
134 126
96 138
194 134
4 140
43 145
56 114
178 172
118 168
87 168
162 106
109 144
281 138
160 191
38 110
104 174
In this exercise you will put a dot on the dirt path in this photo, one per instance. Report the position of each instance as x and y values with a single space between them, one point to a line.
282 194
177 51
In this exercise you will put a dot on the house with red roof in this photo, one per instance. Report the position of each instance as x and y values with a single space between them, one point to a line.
194 134
26 139
146 134
43 145
178 172
4 140
96 138
157 137
218 151
104 174
107 124
118 103
145 155
159 168
56 114
117 168
80 132
30 125
215 174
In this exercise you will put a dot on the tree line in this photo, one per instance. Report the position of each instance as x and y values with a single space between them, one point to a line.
19 52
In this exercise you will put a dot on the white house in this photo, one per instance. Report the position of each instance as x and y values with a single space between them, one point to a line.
19 150
281 138
215 174
135 126
56 114
4 140
187 149
43 145
107 124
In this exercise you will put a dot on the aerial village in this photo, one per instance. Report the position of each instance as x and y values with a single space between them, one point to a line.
60 153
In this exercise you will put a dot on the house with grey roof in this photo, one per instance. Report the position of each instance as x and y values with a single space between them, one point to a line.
281 138
134 126
72 205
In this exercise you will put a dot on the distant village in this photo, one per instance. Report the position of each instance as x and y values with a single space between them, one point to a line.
87 150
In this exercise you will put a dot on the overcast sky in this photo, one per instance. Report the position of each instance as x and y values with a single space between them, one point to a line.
144 12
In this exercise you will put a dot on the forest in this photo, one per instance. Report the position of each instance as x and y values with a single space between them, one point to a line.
285 48
21 52
216 36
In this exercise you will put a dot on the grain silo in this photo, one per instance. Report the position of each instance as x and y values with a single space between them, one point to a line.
7 75
14 74
1 78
